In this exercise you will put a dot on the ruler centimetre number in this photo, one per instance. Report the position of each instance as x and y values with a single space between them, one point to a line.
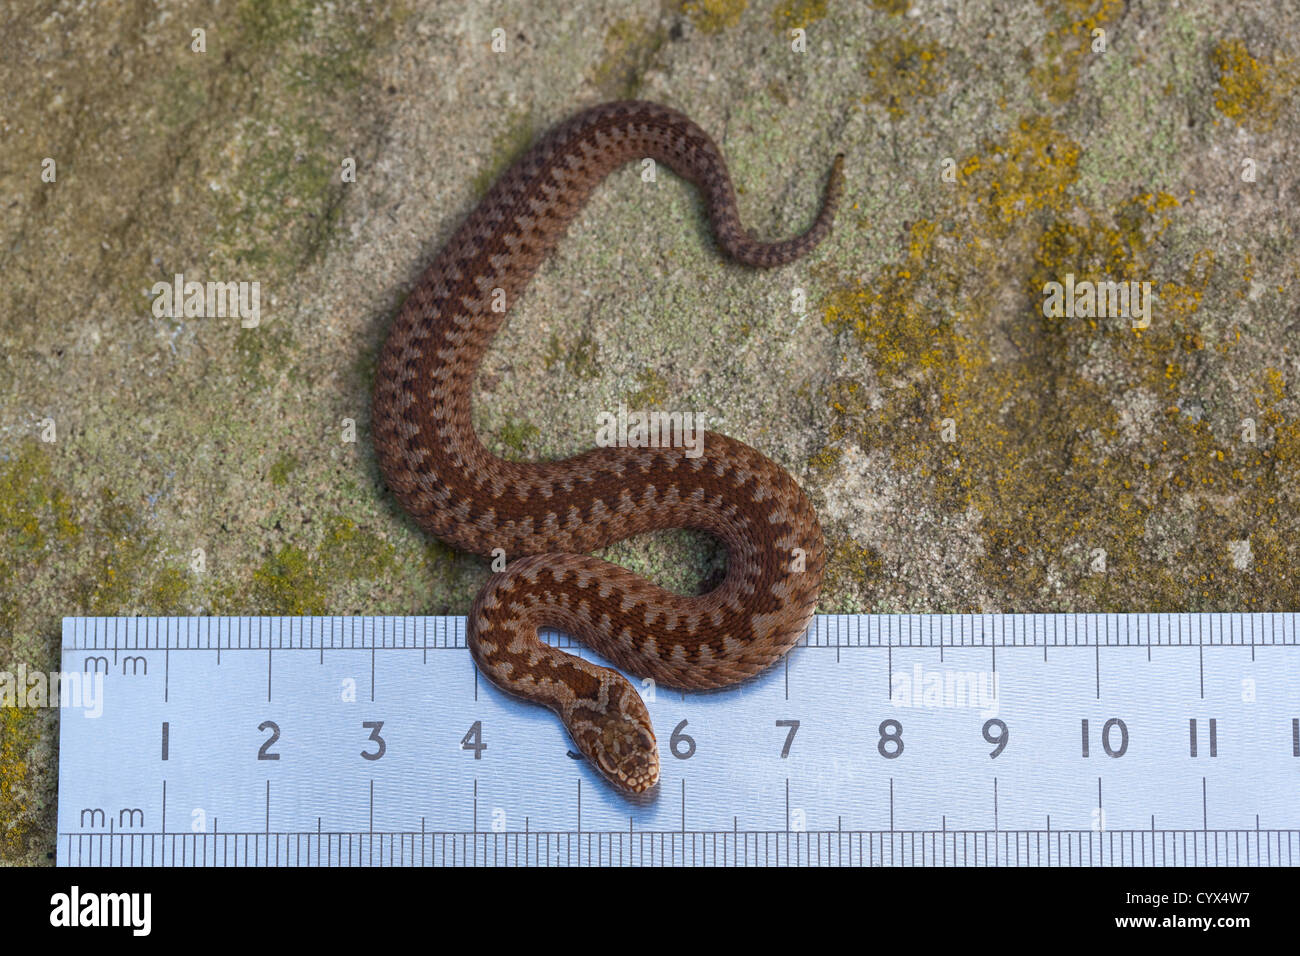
1052 739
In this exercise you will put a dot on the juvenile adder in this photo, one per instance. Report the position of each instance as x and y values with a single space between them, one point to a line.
548 516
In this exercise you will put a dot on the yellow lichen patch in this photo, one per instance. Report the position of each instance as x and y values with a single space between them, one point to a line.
1179 299
825 462
885 313
1081 27
1276 435
1081 448
714 16
1250 92
112 561
651 392
901 69
1109 246
850 571
34 512
1030 170
287 583
798 14
17 735
169 593
892 7
36 519
1275 385
122 546
886 316
630 46
1114 246
517 435
293 580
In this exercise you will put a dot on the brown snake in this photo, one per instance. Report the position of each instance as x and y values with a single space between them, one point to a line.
548 516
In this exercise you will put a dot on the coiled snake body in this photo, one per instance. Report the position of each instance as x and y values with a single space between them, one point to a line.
548 516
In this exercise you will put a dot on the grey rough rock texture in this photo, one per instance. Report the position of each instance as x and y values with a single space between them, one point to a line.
965 451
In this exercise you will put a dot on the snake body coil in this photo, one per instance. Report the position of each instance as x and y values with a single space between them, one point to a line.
548 516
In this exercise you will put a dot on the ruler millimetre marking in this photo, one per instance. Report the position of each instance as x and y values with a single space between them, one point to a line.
1075 740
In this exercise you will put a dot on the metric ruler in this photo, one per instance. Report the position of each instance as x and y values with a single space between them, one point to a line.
913 739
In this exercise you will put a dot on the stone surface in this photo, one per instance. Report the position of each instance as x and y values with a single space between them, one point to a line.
965 451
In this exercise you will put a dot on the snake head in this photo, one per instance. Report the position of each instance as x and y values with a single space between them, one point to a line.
616 735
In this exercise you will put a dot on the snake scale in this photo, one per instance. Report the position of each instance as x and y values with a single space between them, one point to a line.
548 516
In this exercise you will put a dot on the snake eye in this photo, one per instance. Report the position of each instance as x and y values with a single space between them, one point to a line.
604 761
